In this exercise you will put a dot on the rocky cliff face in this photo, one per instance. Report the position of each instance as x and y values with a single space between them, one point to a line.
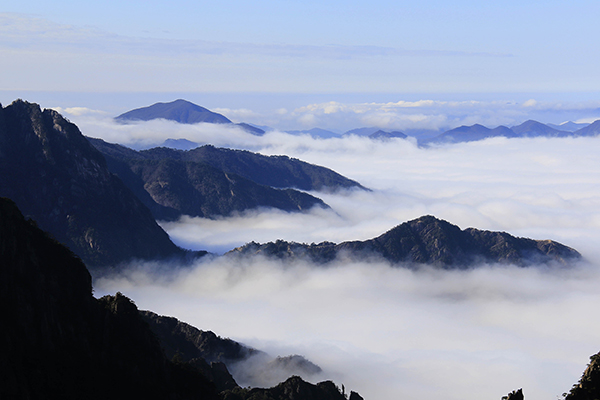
588 387
56 177
427 240
58 342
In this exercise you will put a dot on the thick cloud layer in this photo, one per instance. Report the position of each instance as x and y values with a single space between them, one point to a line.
389 332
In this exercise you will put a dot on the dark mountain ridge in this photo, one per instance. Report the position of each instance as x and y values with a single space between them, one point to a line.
59 342
426 240
59 179
173 182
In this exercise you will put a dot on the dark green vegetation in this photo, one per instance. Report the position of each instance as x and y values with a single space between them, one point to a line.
61 181
427 240
59 342
209 181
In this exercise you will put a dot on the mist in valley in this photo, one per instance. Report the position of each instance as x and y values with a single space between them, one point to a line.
387 331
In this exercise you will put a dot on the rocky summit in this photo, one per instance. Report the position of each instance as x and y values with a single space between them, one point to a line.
427 240
60 180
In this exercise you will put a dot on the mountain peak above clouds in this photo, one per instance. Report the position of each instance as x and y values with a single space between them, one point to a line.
180 110
568 126
183 112
427 240
592 129
533 128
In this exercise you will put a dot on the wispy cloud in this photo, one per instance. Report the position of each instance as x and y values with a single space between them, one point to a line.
26 32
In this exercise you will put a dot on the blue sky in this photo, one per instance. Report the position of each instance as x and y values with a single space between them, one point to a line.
118 55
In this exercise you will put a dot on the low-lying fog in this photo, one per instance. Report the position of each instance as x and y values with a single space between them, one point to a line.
392 333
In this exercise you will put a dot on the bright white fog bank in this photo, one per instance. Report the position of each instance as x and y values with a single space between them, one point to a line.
392 333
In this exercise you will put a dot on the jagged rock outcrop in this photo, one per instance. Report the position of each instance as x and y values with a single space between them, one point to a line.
58 342
427 240
189 342
293 388
209 181
56 177
514 395
588 387
204 349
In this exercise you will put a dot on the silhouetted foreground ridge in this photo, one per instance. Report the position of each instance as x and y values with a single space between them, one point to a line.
59 342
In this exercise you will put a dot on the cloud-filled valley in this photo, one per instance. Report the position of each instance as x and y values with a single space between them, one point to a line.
392 332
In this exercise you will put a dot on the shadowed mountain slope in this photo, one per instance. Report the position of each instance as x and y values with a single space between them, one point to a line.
59 342
427 240
275 171
56 177
172 183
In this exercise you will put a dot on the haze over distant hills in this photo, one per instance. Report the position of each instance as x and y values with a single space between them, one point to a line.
526 129
183 112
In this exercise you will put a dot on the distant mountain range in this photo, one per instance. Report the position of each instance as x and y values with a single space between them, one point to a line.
426 240
526 129
470 133
183 112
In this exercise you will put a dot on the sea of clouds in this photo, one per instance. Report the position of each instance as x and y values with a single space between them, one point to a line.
386 331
